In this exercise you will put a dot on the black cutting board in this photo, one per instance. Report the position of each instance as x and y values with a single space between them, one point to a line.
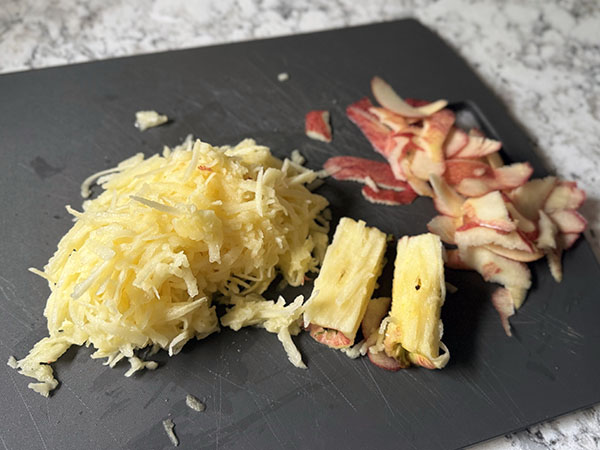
59 125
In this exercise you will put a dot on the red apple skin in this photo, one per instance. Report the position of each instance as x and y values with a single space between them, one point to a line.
317 125
389 197
352 168
434 132
390 119
375 132
455 141
383 361
331 338
478 147
488 211
473 178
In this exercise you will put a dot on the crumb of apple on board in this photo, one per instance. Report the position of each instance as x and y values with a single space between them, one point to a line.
149 119
494 213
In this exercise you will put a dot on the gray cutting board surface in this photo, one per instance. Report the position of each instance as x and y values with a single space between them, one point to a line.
59 125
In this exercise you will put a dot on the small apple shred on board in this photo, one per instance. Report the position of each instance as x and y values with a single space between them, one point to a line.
169 235
497 216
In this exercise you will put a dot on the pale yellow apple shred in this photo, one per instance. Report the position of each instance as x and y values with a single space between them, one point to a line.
169 235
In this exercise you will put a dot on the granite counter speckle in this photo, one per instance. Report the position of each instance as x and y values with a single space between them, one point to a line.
541 57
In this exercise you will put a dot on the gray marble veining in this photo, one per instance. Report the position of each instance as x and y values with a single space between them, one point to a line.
541 57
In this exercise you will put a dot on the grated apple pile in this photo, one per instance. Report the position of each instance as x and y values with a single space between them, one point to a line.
169 233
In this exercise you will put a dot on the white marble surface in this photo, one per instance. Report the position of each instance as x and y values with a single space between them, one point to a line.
541 57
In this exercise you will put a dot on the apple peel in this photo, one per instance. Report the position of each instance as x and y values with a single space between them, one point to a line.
317 125
504 304
353 168
389 99
389 197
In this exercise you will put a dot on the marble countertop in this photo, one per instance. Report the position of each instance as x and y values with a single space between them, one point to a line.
541 57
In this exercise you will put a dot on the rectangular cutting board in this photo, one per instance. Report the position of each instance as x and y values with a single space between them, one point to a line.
59 125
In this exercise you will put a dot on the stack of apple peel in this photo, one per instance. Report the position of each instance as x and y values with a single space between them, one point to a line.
497 217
